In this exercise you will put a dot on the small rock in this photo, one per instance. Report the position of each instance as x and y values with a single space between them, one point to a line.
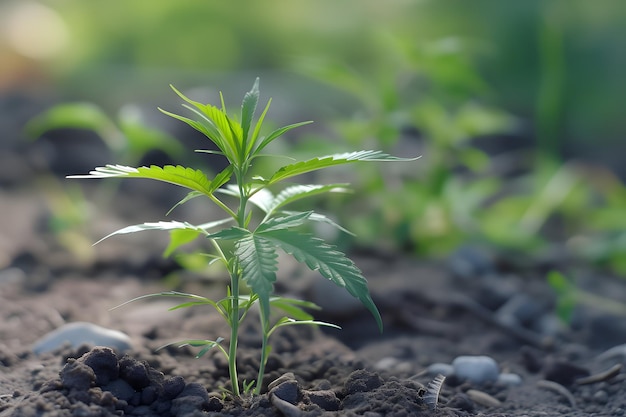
390 363
362 381
520 309
286 408
483 398
194 397
135 373
103 361
462 402
76 375
564 373
80 333
437 368
326 399
601 397
509 379
477 369
288 376
287 390
470 262
173 386
606 330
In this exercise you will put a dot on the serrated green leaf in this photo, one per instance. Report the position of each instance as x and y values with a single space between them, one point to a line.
232 233
332 264
320 218
248 107
171 225
257 259
263 199
190 178
215 124
284 222
298 192
287 321
204 126
292 310
315 164
190 196
179 238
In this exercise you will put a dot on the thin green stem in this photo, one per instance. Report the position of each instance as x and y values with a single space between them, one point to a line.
235 276
264 354
223 206
234 330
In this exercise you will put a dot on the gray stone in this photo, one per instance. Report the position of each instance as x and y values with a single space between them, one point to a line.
287 409
477 369
80 333
288 391
440 368
509 379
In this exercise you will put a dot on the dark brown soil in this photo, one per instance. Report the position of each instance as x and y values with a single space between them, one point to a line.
431 315
476 302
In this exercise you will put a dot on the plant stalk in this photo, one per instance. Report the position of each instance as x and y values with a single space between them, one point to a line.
235 276
234 330
264 354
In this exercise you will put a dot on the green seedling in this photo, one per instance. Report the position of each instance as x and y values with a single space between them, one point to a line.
569 296
248 245
125 137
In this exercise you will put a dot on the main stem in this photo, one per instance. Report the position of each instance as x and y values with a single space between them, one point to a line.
235 276
264 352
234 330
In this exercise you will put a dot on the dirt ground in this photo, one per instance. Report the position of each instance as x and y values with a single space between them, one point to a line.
473 303
433 312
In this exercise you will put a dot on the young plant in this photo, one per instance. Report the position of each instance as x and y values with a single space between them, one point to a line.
248 247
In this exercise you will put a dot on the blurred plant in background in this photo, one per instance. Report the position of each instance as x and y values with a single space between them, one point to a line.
499 97
126 139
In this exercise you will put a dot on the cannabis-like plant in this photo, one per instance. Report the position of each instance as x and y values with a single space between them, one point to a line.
248 247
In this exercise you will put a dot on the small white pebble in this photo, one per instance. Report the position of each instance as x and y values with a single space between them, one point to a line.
79 333
510 380
477 369
440 368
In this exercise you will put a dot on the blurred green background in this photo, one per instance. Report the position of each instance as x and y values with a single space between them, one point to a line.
517 107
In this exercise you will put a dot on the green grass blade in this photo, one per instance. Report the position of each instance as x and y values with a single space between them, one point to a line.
332 264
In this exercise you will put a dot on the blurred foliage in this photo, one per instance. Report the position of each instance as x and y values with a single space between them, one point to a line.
540 79
558 63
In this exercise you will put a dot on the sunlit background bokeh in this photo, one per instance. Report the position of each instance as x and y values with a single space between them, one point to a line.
557 64
470 79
